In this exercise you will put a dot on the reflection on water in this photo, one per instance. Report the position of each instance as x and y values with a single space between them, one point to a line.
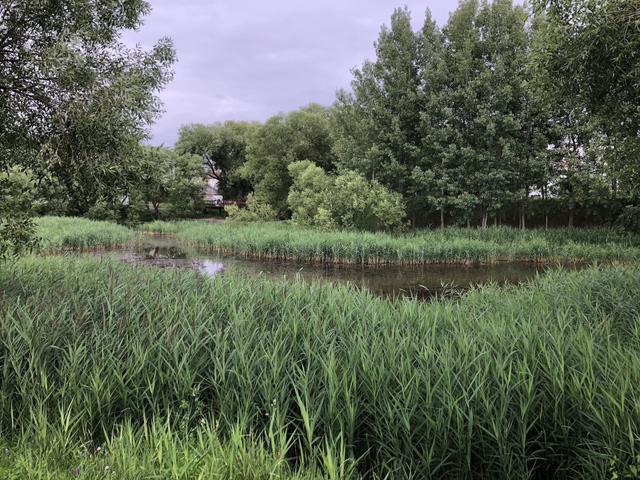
211 267
419 281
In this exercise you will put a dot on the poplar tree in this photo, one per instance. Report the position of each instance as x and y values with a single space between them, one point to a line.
377 126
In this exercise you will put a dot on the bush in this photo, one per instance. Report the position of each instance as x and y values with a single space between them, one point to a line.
345 201
255 212
104 210
629 219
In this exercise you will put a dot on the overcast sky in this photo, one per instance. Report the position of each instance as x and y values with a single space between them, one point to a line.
250 59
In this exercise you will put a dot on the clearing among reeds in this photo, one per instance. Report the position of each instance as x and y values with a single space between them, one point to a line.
154 367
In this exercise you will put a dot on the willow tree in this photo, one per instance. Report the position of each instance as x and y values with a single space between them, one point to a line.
223 150
589 53
74 101
300 135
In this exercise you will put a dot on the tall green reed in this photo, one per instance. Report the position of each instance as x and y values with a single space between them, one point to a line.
452 245
541 381
74 233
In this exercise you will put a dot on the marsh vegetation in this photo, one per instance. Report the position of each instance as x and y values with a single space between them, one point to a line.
505 382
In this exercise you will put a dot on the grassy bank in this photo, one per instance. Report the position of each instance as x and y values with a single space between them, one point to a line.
541 381
283 241
73 233
154 451
452 245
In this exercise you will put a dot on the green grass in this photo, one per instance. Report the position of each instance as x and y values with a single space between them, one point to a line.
540 381
452 245
154 451
73 233
284 241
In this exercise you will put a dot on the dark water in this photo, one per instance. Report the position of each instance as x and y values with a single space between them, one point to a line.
418 281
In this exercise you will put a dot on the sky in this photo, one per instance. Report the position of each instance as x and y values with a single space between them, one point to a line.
251 59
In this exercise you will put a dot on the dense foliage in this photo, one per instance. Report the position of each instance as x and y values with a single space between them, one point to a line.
169 179
345 201
535 382
467 120
223 150
471 122
281 140
588 50
255 211
74 101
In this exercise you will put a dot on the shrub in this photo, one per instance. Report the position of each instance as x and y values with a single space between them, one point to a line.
630 218
345 201
104 210
310 194
255 212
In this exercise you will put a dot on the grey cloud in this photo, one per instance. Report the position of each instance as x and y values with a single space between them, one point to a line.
250 59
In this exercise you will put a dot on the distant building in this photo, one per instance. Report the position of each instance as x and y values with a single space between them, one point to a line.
212 194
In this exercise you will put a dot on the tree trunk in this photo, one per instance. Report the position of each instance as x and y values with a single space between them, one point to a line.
441 217
522 216
546 221
485 214
156 210
571 209
468 223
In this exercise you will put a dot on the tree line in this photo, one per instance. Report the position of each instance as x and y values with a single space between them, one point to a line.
505 112
503 109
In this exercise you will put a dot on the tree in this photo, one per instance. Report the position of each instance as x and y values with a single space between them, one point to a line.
589 50
168 178
486 53
577 163
377 126
74 102
434 180
445 117
222 148
281 140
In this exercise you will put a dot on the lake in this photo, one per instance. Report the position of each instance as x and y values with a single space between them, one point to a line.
424 281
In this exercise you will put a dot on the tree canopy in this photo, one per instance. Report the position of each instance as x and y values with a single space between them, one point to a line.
223 150
281 140
503 110
74 101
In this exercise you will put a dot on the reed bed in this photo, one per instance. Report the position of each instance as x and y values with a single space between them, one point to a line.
541 381
283 241
155 451
74 233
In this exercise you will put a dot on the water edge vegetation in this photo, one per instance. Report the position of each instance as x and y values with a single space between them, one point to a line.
501 383
285 241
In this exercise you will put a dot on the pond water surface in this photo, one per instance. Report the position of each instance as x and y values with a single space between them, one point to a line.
423 281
